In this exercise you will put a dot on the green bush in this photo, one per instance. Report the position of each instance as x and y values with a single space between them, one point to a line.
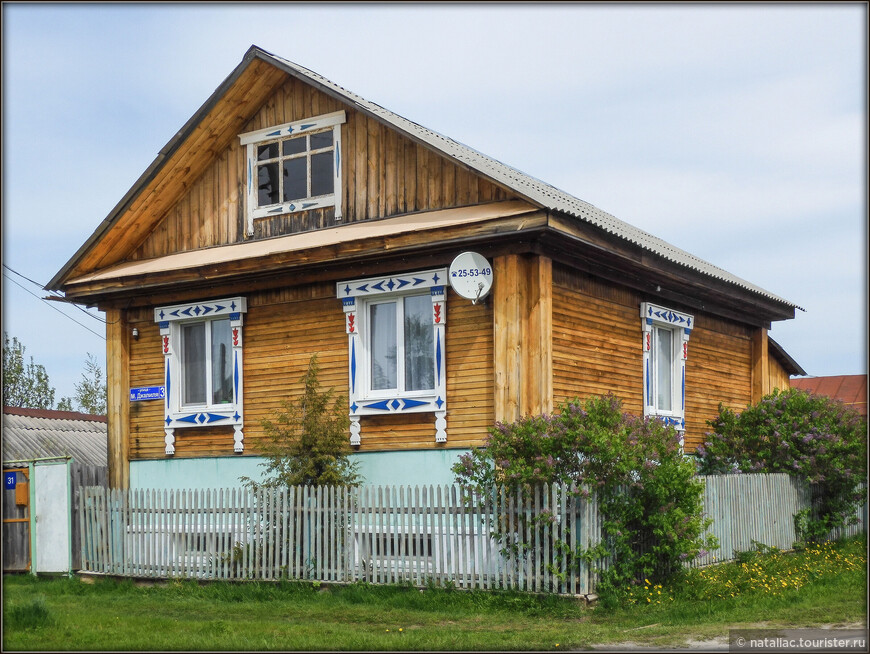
808 436
647 491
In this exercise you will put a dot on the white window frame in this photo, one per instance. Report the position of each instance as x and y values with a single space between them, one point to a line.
178 415
357 297
280 133
656 318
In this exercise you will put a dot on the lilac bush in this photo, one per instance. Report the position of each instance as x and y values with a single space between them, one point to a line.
647 491
808 436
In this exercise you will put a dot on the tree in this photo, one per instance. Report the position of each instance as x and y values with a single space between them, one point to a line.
307 443
24 385
91 391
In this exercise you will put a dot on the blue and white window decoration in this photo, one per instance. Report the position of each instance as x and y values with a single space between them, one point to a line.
294 167
396 348
665 349
202 352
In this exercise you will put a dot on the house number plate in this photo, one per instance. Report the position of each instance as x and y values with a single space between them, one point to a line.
147 393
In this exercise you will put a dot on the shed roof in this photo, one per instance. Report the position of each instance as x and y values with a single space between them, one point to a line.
849 389
791 366
534 190
41 433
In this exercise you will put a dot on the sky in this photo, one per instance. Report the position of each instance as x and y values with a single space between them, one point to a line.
737 132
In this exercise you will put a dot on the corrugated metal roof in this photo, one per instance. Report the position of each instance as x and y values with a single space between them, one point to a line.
849 389
533 189
36 434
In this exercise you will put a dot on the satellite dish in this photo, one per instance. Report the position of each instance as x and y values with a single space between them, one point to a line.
470 276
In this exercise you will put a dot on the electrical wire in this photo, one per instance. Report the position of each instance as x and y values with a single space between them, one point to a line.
55 308
54 294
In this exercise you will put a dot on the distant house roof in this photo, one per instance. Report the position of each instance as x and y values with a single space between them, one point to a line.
850 389
42 433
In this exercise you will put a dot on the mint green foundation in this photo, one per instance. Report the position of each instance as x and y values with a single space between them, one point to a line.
406 468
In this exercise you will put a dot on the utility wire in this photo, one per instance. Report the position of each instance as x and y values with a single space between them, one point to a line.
54 293
55 308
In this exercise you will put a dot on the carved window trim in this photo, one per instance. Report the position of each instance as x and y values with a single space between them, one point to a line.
278 134
356 297
680 325
176 415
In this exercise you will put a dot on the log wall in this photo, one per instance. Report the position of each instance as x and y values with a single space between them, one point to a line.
597 349
282 329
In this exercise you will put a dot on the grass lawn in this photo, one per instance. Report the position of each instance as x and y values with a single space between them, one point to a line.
825 585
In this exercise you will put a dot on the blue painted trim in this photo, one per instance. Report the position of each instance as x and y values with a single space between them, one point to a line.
438 358
236 379
353 365
684 389
649 401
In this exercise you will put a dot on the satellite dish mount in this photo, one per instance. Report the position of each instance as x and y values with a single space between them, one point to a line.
470 276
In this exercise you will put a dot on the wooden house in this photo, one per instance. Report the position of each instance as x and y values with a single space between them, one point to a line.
290 216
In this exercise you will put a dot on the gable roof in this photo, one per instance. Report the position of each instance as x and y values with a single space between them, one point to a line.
849 389
41 433
533 190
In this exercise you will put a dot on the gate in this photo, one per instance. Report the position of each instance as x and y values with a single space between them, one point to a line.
16 520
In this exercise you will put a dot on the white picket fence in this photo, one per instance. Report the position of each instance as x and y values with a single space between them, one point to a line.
397 534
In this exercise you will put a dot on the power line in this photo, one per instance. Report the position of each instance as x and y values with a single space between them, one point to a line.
55 308
54 293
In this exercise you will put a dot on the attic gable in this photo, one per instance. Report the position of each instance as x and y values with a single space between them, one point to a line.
383 173
190 198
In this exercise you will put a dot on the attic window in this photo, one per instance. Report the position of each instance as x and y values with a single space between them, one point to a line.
294 167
